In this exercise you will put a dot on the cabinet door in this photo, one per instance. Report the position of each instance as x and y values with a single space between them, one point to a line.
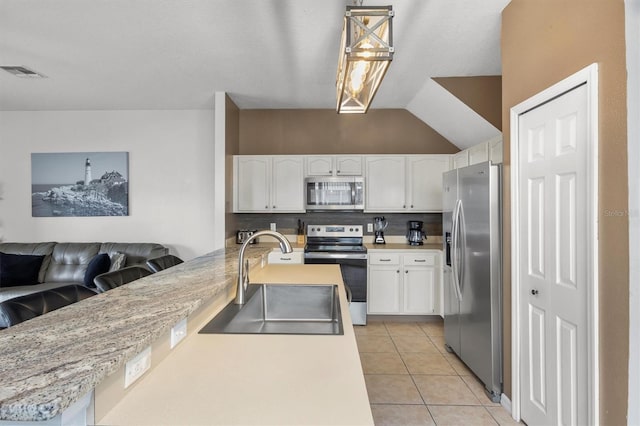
319 165
385 185
424 182
287 184
252 183
418 290
349 165
479 153
383 295
460 159
495 151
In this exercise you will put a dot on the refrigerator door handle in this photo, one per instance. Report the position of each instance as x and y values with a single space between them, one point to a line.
455 264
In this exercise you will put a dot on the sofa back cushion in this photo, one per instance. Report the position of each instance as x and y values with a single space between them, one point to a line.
19 269
69 261
38 249
135 253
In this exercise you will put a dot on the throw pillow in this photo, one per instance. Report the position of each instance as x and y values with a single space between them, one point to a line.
98 265
19 269
117 261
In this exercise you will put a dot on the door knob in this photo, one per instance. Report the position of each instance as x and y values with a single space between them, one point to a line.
534 292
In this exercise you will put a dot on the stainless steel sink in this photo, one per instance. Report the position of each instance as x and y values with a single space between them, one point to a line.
281 309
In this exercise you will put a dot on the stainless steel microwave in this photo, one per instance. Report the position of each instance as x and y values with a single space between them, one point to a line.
334 193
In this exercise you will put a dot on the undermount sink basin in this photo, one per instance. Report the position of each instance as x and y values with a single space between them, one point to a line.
281 309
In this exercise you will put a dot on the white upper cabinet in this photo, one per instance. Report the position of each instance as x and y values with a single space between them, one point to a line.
404 183
264 183
495 151
479 153
319 165
348 165
333 165
385 183
252 183
490 150
461 159
287 186
424 182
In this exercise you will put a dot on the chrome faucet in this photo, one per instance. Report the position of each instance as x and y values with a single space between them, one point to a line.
243 270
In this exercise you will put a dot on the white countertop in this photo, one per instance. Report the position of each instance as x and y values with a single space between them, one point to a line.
256 379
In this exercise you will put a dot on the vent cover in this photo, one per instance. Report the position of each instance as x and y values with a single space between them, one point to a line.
22 72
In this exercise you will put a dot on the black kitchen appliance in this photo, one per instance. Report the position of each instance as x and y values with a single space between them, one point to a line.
243 235
415 234
379 225
342 245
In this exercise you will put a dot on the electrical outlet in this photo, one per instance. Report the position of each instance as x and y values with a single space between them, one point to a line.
137 366
272 226
178 332
369 227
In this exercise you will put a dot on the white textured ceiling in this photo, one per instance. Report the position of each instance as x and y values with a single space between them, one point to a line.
175 54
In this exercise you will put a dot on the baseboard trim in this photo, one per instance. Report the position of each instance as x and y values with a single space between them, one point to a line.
506 403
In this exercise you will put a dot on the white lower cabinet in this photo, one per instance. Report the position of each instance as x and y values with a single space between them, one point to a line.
404 282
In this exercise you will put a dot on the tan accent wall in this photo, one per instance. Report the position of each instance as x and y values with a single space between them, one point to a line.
231 148
322 131
483 94
542 43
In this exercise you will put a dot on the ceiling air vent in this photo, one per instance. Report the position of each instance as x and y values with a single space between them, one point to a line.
22 72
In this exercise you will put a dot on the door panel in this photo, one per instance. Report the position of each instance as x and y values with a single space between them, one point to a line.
553 249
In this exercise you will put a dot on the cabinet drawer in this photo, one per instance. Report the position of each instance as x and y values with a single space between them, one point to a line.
384 259
422 259
277 256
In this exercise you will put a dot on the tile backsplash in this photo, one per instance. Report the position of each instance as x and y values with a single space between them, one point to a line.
287 223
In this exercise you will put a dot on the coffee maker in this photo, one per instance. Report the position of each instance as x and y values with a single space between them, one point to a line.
415 234
379 225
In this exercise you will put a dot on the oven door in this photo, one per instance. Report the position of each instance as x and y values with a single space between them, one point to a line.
354 276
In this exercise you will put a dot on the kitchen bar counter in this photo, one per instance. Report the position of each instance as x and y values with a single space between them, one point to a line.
50 362
256 379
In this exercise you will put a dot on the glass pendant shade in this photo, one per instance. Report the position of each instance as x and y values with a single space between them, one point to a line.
366 50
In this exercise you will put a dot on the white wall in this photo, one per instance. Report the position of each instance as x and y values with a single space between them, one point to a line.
171 176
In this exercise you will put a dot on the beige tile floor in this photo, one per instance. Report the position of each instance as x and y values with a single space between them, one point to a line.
412 380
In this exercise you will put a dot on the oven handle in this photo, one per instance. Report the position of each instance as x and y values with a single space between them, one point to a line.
361 256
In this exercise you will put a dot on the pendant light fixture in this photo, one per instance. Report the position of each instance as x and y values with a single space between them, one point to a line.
366 50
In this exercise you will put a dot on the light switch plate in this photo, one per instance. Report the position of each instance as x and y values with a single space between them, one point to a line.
178 332
369 227
137 366
273 226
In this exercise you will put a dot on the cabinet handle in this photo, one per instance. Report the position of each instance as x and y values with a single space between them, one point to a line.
266 207
285 258
411 205
398 271
385 260
406 272
419 260
404 206
274 207
338 171
330 171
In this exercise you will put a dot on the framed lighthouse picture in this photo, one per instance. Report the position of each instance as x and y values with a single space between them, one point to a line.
80 184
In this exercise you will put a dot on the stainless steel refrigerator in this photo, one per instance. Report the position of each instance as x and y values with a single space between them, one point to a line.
471 226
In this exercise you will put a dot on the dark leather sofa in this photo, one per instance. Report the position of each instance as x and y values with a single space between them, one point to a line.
66 263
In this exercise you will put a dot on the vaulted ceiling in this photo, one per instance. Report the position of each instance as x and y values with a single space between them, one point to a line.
175 54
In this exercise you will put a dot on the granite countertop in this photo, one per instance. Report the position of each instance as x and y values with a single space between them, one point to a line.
49 362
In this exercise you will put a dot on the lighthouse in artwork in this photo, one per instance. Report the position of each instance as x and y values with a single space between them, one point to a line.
87 172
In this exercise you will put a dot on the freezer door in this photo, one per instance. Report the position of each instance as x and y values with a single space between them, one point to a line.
480 284
451 302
